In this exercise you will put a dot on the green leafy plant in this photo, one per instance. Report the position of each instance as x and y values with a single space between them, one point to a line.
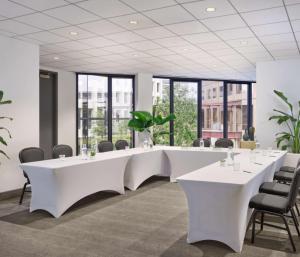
144 121
2 139
291 138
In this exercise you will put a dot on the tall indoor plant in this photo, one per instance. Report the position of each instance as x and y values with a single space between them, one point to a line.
143 121
289 139
2 139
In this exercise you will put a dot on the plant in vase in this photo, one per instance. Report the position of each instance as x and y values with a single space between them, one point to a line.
143 122
289 139
2 140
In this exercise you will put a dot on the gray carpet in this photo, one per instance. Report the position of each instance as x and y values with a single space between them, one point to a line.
149 222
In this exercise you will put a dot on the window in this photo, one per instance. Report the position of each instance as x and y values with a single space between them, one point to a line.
185 109
97 117
161 103
213 127
186 104
237 106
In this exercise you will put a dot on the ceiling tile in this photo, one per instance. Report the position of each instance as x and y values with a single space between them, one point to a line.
17 27
101 27
9 9
202 38
160 52
154 33
273 28
225 22
296 25
47 37
169 15
75 55
143 5
279 38
171 41
235 33
30 40
97 42
6 33
213 46
41 5
143 45
41 21
185 28
252 5
297 34
294 11
66 32
265 16
125 37
142 21
282 46
53 48
106 8
96 52
73 45
198 8
117 49
288 2
72 14
285 53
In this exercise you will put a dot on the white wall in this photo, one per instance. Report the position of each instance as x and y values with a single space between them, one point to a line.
280 75
66 107
19 79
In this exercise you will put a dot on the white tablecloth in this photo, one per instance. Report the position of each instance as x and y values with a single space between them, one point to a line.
218 197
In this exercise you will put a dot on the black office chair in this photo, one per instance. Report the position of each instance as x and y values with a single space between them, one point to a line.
30 154
224 143
207 142
121 144
277 206
105 146
286 173
62 150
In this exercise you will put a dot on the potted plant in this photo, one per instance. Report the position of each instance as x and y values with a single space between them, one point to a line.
143 122
2 139
289 139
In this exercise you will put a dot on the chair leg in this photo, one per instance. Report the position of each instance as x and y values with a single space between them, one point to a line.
295 221
23 192
297 209
253 226
262 221
289 232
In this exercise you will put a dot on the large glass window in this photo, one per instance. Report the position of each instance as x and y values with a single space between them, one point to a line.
212 110
121 107
161 103
201 109
185 109
104 106
237 117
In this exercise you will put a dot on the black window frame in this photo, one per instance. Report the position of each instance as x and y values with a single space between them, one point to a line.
199 103
110 77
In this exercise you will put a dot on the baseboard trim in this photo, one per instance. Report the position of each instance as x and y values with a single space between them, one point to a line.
10 194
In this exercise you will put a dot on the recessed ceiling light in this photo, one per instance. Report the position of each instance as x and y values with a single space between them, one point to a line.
135 55
56 58
133 22
243 42
210 9
185 49
73 33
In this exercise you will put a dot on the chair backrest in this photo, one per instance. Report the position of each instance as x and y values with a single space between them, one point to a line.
294 188
31 154
121 144
105 146
207 142
224 143
62 150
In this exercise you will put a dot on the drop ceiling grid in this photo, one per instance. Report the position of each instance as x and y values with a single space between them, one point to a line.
185 68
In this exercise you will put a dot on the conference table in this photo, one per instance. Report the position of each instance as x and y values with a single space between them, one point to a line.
217 196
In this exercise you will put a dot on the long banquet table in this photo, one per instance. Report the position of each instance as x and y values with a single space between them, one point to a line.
217 196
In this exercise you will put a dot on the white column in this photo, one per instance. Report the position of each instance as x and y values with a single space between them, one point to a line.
143 96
